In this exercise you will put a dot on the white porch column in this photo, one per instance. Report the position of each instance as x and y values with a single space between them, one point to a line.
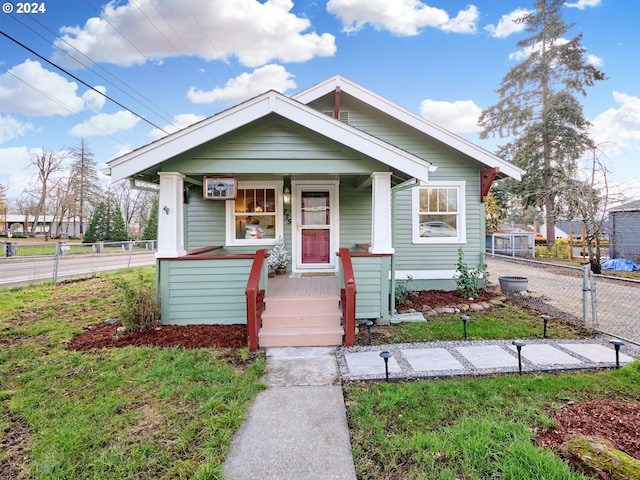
170 216
381 213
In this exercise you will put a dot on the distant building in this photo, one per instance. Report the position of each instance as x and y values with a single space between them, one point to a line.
624 238
47 224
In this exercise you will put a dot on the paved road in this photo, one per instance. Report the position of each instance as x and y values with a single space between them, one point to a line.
24 270
560 288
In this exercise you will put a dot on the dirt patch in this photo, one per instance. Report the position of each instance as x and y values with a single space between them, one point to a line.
183 336
14 444
618 422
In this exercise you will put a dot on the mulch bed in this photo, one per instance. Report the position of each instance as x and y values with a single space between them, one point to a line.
185 336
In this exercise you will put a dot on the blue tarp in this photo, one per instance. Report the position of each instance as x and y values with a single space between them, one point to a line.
619 264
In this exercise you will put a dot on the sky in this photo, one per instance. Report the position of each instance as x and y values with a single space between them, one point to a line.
165 64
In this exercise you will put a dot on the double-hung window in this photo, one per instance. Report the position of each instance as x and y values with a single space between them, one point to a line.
255 216
438 213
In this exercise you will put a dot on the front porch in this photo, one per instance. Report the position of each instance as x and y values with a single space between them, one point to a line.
301 310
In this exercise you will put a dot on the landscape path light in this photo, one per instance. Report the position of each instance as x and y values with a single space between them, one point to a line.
386 355
617 344
519 344
368 324
464 319
545 319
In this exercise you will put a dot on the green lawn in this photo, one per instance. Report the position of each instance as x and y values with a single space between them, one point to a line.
470 428
126 413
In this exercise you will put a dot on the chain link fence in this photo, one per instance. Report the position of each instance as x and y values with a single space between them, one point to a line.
30 262
601 303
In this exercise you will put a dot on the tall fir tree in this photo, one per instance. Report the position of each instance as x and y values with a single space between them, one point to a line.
539 112
151 229
106 224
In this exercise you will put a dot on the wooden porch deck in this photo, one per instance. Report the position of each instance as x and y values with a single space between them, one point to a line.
286 286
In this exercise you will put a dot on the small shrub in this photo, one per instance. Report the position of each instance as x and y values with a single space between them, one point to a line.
467 278
403 292
139 310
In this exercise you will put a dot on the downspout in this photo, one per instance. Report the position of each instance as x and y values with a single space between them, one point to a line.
414 182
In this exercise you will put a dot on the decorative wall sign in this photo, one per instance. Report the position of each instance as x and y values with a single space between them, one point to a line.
219 188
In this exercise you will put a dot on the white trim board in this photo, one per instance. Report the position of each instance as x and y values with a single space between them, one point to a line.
425 274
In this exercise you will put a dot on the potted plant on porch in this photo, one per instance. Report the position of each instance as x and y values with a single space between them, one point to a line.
278 257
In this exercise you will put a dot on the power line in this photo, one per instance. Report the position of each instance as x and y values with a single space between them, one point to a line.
80 80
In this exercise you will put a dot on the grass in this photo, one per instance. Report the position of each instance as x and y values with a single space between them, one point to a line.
127 413
470 428
498 323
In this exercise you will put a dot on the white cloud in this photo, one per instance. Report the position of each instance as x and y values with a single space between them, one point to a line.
253 31
15 172
11 128
508 25
582 4
402 17
460 116
618 129
105 124
246 85
30 89
179 122
595 61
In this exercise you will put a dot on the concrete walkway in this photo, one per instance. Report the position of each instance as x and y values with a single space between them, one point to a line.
296 428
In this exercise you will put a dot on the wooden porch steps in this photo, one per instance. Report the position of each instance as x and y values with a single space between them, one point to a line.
301 322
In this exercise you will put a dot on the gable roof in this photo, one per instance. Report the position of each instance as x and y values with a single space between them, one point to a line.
268 103
296 109
409 118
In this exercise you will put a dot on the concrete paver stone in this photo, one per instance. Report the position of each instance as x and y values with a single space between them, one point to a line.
540 354
431 359
488 356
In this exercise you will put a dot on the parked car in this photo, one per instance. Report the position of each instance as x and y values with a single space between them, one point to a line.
437 229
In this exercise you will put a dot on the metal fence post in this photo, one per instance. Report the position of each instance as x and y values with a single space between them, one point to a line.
55 262
594 303
585 298
130 253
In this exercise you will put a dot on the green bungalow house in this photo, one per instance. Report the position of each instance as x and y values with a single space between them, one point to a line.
363 192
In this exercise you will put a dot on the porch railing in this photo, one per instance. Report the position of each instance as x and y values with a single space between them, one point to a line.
348 298
255 299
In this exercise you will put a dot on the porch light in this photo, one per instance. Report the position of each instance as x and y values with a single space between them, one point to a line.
286 195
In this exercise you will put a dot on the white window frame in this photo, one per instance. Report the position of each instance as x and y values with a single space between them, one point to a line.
230 222
460 186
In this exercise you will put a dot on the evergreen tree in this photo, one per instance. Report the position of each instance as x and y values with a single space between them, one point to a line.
106 224
151 229
538 109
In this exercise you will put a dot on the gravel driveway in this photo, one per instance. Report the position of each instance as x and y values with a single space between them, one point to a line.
560 291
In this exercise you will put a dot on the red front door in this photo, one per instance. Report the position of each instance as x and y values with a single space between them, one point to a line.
315 227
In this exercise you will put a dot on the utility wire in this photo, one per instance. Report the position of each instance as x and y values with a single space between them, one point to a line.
162 114
81 81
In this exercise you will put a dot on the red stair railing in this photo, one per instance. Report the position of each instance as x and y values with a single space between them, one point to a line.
255 299
348 298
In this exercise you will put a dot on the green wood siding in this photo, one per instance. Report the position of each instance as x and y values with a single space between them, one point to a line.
355 215
372 285
204 291
272 148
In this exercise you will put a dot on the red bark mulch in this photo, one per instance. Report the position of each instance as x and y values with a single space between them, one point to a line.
184 336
